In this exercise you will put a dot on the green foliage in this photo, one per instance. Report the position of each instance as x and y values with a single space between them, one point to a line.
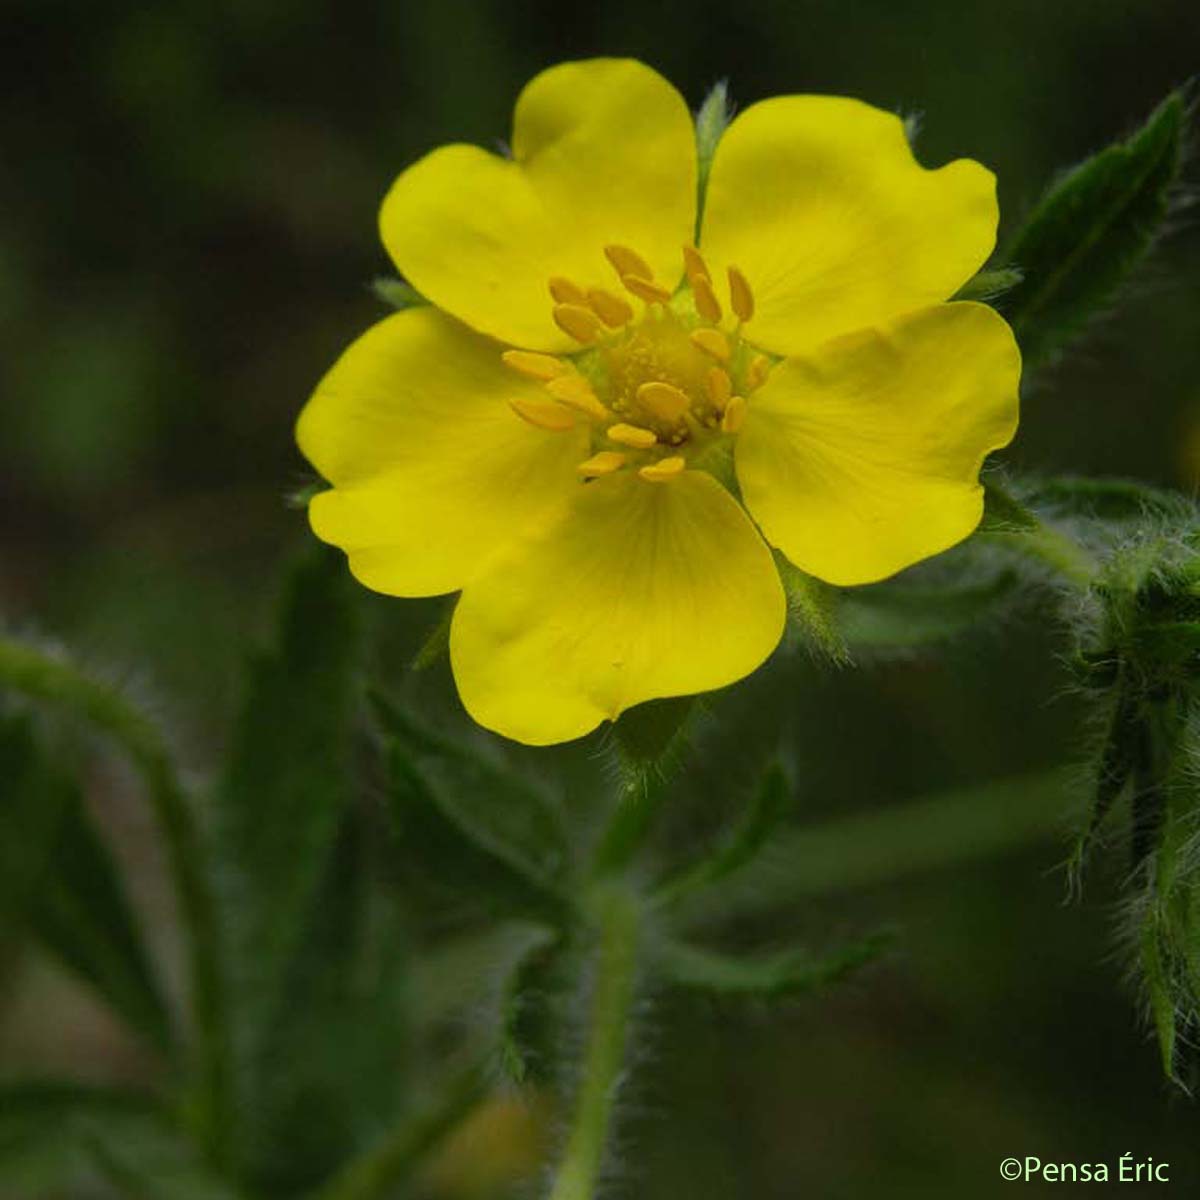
771 976
59 884
471 828
397 293
1090 230
813 611
278 808
711 122
66 1136
990 285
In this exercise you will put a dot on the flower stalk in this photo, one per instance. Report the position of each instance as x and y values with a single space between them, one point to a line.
608 1037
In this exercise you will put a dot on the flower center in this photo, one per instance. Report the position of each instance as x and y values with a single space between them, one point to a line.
663 388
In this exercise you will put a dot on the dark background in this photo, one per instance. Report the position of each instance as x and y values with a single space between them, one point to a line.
188 195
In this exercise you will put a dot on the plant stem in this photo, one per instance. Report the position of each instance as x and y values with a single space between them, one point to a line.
378 1172
52 678
600 1079
1065 556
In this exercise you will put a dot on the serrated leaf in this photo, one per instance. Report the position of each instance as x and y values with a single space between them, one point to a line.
58 882
332 1068
490 803
769 807
280 800
772 976
1090 230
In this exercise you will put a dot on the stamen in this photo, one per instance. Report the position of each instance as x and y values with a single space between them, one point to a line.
741 298
735 414
644 289
720 388
566 292
757 372
537 366
575 391
628 262
612 310
663 401
545 414
694 265
711 341
578 322
632 435
664 469
604 463
707 304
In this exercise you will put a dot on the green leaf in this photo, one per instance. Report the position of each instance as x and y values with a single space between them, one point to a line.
769 807
59 883
813 609
280 801
711 122
650 732
533 1005
772 976
397 293
1090 230
468 826
989 285
55 1138
333 1066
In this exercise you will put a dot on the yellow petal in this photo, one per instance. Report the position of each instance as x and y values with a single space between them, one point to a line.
433 471
603 153
639 592
863 457
832 222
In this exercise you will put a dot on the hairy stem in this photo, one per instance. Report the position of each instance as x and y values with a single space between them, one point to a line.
378 1172
604 1058
53 679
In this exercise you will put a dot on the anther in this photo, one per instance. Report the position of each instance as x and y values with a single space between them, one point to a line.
711 341
604 463
664 469
576 392
535 366
628 262
741 298
719 387
694 265
663 401
645 289
757 372
545 414
578 322
566 292
632 435
707 304
612 310
735 414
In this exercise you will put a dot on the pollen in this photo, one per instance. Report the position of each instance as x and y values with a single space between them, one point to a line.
632 435
646 289
627 262
603 463
741 298
664 469
545 414
712 341
707 304
566 292
663 401
542 367
577 393
612 310
577 322
657 390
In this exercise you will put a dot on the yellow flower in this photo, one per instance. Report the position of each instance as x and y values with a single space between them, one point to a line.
602 420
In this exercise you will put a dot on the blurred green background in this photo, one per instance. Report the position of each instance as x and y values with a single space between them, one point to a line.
187 231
